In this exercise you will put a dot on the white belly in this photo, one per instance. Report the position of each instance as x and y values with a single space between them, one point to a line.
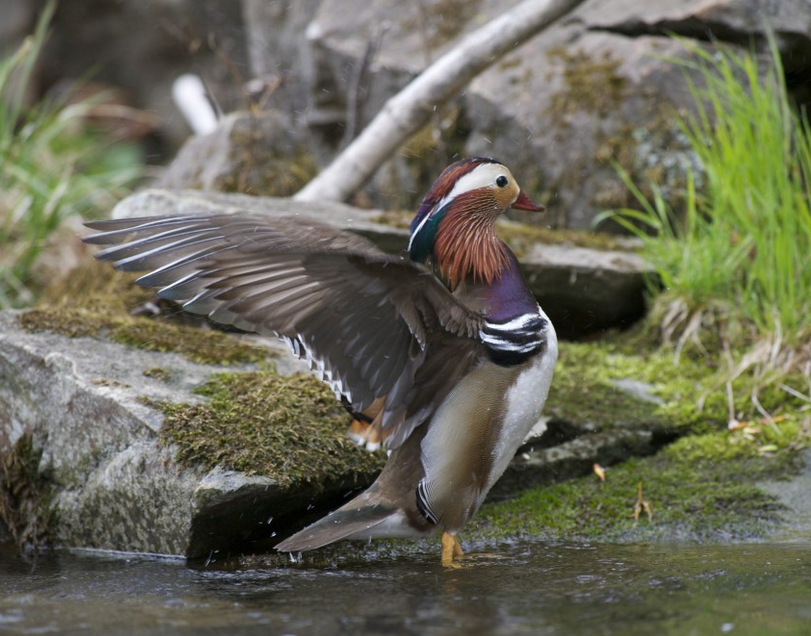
525 400
476 431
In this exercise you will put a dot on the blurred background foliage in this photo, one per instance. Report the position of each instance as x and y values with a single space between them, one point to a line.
55 167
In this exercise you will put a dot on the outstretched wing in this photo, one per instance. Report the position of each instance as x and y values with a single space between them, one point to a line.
363 319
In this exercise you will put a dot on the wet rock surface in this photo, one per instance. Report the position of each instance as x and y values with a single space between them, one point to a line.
118 487
115 485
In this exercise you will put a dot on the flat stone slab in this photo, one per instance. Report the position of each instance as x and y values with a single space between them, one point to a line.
583 290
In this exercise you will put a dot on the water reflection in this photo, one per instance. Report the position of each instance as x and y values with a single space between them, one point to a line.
535 588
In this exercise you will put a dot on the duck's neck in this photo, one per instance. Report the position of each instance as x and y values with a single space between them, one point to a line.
509 296
506 297
466 248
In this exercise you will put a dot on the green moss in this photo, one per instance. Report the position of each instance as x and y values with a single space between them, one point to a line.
289 428
701 487
96 301
96 287
204 346
106 382
585 390
694 396
157 373
264 158
25 496
522 238
592 85
258 172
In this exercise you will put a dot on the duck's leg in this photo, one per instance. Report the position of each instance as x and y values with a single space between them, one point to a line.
451 549
365 429
364 434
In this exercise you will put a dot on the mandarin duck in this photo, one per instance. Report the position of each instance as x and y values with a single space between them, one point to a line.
446 352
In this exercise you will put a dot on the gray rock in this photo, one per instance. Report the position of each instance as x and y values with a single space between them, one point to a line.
534 466
727 20
795 495
278 52
594 87
115 487
584 290
142 47
639 390
566 104
252 152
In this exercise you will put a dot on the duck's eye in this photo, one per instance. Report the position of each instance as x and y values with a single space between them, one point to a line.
502 181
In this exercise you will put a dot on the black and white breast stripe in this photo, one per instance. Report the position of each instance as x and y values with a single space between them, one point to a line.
514 340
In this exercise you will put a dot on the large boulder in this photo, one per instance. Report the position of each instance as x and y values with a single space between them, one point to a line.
91 408
597 86
257 153
121 440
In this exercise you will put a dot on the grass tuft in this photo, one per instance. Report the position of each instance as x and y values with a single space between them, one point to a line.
52 167
735 262
741 248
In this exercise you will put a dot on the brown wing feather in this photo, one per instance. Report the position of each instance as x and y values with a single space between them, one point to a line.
369 323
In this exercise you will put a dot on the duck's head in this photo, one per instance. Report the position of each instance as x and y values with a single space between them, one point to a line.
455 225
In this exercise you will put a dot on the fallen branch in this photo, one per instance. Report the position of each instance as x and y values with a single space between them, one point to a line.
408 111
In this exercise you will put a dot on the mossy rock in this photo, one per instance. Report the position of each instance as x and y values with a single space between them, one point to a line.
590 390
701 487
26 508
96 301
291 429
257 153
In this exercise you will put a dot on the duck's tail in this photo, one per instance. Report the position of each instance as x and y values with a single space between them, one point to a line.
352 521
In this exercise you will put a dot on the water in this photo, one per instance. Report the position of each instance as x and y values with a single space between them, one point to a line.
534 588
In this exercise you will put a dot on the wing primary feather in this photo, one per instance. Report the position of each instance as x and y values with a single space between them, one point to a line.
141 260
126 227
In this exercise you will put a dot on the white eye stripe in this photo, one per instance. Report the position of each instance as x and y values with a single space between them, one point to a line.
419 227
480 177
